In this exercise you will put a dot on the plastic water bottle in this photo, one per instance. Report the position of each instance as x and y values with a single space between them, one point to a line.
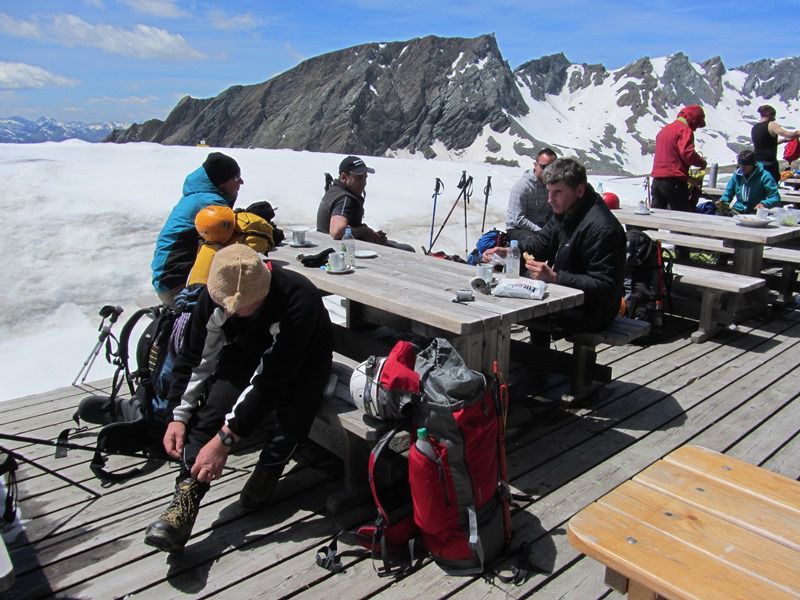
423 444
349 248
512 260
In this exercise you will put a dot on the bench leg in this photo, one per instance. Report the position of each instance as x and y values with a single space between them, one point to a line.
788 281
635 590
585 371
356 484
709 308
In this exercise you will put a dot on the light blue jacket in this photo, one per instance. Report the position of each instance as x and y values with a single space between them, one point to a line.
759 188
176 247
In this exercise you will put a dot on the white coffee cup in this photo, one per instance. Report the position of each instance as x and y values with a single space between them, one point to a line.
762 213
336 261
299 237
485 272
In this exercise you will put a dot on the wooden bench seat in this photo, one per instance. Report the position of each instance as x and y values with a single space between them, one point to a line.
619 332
714 285
789 258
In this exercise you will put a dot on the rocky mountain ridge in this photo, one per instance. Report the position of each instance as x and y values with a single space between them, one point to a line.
459 98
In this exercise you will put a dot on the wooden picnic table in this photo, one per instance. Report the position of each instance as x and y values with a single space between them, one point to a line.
697 525
420 290
747 242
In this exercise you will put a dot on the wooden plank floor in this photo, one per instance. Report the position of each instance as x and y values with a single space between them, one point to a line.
737 394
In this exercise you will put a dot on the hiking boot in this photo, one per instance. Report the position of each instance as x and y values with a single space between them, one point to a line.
257 492
172 529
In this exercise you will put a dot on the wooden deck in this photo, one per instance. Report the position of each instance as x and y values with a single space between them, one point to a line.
737 394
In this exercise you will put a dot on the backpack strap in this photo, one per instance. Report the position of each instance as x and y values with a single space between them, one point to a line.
9 465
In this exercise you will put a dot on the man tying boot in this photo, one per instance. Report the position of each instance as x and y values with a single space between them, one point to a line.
259 342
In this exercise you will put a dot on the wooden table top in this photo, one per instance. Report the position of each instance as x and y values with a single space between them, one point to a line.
713 226
699 525
421 288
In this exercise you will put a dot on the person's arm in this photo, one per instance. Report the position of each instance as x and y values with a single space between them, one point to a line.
515 214
773 197
339 223
775 130
687 152
730 192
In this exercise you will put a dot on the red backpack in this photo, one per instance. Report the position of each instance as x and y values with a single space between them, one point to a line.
792 150
460 502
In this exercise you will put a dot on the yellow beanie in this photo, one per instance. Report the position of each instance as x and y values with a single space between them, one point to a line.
238 277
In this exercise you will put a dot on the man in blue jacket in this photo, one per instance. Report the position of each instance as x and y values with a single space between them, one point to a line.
751 186
217 181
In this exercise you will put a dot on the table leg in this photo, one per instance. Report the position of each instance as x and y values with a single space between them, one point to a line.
747 257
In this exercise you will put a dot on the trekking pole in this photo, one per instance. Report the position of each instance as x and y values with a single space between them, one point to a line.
467 194
501 392
462 184
438 187
486 191
55 474
111 313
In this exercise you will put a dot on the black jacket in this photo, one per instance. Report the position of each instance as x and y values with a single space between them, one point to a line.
586 248
289 331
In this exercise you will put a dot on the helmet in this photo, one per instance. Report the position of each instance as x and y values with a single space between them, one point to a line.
365 386
215 223
611 200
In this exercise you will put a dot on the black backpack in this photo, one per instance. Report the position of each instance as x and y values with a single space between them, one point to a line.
134 425
648 280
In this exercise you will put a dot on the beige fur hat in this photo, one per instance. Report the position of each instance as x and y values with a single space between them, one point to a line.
238 277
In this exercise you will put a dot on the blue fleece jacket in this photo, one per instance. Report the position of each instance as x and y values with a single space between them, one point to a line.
759 188
176 246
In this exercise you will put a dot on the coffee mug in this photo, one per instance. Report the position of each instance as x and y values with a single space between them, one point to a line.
299 237
762 213
336 261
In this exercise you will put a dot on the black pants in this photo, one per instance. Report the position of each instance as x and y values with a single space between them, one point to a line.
671 193
289 418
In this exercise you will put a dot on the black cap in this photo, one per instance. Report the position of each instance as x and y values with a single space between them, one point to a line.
220 168
746 158
354 166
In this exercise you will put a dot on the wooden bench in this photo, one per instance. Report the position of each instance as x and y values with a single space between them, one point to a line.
714 285
789 258
619 332
696 525
349 433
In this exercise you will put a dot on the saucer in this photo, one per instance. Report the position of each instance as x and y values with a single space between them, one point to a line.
365 254
642 212
342 272
303 245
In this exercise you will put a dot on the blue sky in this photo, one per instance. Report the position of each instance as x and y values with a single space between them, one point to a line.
131 60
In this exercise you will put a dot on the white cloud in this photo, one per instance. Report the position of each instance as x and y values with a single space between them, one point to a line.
243 22
143 41
294 53
94 3
17 28
124 101
15 76
156 8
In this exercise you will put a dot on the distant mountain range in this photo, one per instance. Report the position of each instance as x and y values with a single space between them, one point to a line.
458 98
16 130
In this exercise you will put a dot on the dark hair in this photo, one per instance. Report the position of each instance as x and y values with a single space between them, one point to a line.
566 170
765 110
547 152
746 158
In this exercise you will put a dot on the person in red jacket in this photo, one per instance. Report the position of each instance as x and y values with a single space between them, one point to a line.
675 153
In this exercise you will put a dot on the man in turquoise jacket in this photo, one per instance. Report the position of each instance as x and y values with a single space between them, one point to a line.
750 186
217 181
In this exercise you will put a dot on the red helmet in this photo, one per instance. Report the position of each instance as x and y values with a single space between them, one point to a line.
611 200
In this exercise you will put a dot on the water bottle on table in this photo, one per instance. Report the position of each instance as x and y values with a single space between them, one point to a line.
349 248
512 260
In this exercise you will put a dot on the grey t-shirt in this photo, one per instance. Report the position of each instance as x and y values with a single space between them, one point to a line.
527 204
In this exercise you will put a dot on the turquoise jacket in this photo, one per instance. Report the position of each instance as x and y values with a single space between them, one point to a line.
176 247
759 188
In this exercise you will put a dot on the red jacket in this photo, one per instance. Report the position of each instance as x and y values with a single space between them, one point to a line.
675 151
